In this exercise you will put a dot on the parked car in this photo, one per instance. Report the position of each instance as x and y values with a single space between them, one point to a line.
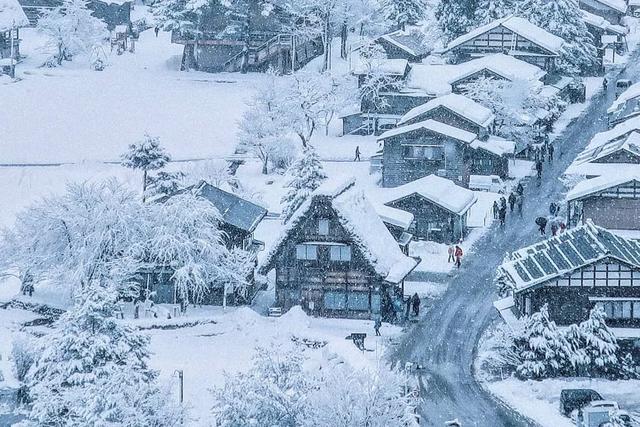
601 417
621 86
576 398
491 183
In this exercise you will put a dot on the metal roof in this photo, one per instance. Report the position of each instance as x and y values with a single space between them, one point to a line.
566 253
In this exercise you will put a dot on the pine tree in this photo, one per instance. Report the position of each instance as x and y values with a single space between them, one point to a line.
543 348
455 17
165 183
601 345
89 362
578 358
145 155
564 19
403 12
629 370
490 10
307 174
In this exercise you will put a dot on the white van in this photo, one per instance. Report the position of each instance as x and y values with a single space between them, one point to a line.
491 183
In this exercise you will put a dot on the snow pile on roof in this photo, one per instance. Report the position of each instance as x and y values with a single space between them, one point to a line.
441 191
358 217
519 26
619 131
459 104
589 187
393 216
600 22
570 251
12 15
630 144
433 126
619 5
411 40
632 92
495 145
393 67
433 79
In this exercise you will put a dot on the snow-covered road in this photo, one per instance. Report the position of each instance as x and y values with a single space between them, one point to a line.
445 340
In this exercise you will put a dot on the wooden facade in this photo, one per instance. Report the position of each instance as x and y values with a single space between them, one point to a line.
616 207
445 115
605 9
10 43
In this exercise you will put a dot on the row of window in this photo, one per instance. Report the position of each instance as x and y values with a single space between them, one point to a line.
340 253
359 301
427 152
621 309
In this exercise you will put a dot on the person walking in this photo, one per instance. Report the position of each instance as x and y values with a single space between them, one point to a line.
554 228
458 254
541 222
451 252
503 203
539 168
551 150
376 326
503 216
357 158
519 203
512 200
553 208
496 209
415 301
520 189
156 30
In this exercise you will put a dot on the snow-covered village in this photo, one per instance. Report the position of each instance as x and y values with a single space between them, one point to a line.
319 213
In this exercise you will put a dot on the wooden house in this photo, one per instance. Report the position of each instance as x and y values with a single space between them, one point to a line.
620 131
439 207
599 26
112 12
425 148
12 18
254 40
336 258
625 106
512 36
238 221
618 157
612 10
409 44
572 273
611 201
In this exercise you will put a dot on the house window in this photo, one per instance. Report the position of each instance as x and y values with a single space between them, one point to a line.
323 227
620 309
424 152
527 306
358 301
308 252
335 300
340 253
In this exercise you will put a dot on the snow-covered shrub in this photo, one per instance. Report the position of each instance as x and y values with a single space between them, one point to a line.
24 353
497 355
629 369
214 171
600 343
542 346
307 174
164 183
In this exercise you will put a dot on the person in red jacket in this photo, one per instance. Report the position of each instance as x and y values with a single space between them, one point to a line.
458 255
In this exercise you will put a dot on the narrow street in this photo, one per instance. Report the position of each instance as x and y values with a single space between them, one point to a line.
445 339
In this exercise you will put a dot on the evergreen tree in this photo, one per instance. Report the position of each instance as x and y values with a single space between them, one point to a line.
307 175
93 370
403 12
490 10
165 183
543 348
145 155
455 17
564 19
600 343
628 368
578 358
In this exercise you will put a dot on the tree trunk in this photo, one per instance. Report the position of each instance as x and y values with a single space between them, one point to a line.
265 162
144 185
343 40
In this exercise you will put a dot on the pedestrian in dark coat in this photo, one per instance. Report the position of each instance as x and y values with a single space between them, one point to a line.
519 201
551 150
520 189
512 200
156 30
415 300
553 208
458 254
496 208
541 222
357 158
376 326
503 216
539 168
554 228
503 203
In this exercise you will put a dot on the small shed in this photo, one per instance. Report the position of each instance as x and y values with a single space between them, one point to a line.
12 18
440 207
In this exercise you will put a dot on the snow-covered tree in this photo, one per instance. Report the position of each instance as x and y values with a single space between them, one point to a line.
307 174
145 155
215 171
273 392
629 369
489 10
600 343
564 19
455 17
72 29
164 183
403 12
94 370
578 358
543 347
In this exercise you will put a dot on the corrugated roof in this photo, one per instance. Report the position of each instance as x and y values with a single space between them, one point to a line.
411 40
630 144
619 131
568 252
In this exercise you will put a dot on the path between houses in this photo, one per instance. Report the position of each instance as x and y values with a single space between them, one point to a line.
445 339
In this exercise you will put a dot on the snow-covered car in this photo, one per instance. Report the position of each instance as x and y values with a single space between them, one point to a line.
573 399
492 183
622 85
605 404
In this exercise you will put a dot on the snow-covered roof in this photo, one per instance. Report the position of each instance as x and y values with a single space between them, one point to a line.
433 126
358 217
411 40
570 251
393 216
619 5
433 79
496 145
589 187
519 26
632 92
392 67
619 131
599 169
438 190
630 144
12 15
459 104
602 23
